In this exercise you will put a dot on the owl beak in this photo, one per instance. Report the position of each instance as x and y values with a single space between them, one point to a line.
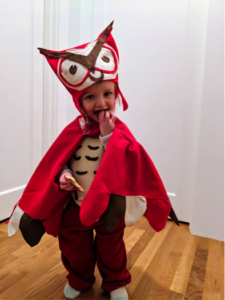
98 79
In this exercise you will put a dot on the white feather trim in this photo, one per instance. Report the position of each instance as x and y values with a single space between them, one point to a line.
14 221
135 208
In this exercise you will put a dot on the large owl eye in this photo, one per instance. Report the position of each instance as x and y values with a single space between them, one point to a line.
105 59
73 72
73 69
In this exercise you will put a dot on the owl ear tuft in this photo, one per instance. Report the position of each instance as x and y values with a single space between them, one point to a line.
53 54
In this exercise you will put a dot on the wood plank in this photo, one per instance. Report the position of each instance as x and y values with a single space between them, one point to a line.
46 242
133 238
3 236
11 244
27 269
4 227
180 281
163 266
197 276
138 248
5 261
169 265
48 285
138 225
143 224
129 230
174 296
20 287
211 289
139 268
222 274
168 269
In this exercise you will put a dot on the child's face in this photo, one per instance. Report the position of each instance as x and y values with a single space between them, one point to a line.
98 97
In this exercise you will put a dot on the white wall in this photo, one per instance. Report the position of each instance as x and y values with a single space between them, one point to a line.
152 78
166 71
21 93
164 59
208 206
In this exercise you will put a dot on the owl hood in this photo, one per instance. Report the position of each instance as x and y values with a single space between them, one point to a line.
79 67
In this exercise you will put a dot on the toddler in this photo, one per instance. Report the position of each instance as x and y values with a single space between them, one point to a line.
108 250
99 151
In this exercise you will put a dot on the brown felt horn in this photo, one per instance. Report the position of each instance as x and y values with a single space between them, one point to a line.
81 59
53 54
68 55
92 56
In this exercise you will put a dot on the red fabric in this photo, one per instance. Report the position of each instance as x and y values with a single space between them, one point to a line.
80 253
126 169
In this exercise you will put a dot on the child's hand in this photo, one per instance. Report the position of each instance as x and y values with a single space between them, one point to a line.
64 184
106 122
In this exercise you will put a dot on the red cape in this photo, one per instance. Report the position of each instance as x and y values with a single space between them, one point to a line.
126 169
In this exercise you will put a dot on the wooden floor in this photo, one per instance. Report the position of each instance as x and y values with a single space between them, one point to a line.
169 265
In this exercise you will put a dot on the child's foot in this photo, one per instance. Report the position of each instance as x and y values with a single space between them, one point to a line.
70 293
119 294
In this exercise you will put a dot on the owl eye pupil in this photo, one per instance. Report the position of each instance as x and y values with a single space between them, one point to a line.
105 59
73 69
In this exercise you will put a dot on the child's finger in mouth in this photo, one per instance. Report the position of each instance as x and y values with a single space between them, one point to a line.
101 115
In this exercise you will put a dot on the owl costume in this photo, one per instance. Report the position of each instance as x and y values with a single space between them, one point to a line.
122 176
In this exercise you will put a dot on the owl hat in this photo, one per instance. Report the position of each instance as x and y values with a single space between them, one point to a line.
79 67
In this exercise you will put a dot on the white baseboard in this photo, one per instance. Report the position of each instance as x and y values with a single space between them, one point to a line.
8 201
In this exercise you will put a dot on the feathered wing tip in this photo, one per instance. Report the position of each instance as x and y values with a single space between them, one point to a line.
32 230
14 220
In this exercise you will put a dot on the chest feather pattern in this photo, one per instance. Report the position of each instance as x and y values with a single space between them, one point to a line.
85 162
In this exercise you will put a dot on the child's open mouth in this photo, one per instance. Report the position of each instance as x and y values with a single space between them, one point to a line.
98 111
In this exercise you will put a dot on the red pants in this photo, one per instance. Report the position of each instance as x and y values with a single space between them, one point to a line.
80 251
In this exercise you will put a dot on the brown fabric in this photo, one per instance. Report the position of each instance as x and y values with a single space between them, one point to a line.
173 216
73 69
92 56
87 61
105 59
115 211
91 158
99 79
32 230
